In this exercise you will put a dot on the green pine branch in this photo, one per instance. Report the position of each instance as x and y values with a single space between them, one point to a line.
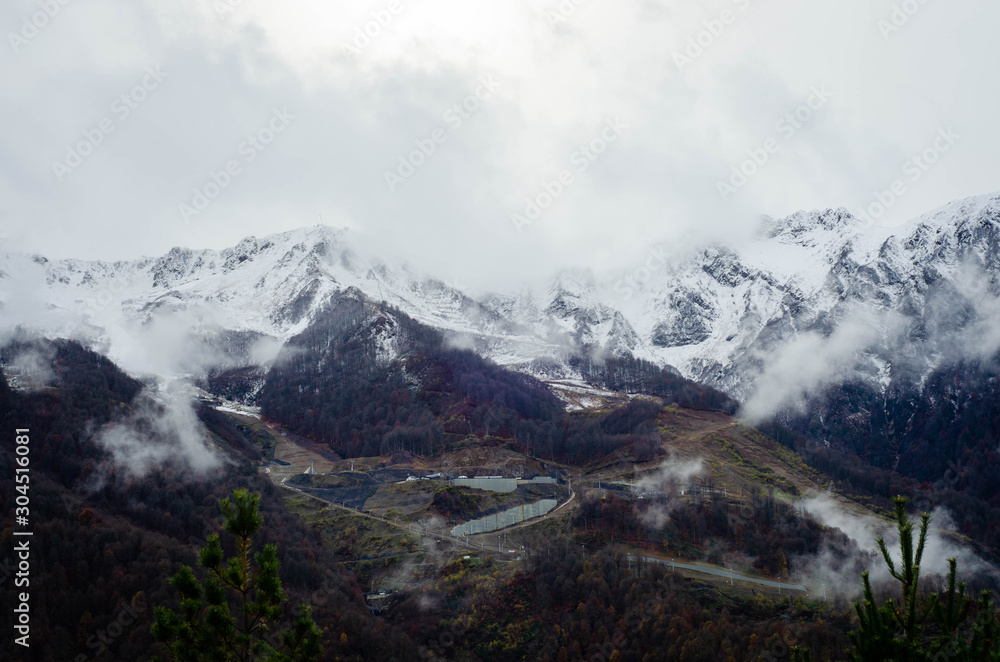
206 629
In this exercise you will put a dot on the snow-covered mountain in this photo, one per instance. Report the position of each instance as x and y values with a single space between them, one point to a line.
819 287
868 302
272 287
883 302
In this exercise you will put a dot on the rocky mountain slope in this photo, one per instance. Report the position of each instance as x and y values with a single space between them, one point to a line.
866 303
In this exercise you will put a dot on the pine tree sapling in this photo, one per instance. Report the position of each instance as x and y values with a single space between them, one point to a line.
896 632
206 627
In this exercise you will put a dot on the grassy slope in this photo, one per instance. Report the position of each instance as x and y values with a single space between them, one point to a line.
737 457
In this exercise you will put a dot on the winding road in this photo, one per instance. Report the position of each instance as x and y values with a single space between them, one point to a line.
475 541
726 574
446 536
478 542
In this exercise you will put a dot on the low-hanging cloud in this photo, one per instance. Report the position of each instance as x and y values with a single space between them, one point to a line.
840 574
667 480
173 349
355 114
163 429
801 367
24 300
979 338
956 318
672 475
30 368
169 350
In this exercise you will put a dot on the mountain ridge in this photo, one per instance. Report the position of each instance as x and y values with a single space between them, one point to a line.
720 315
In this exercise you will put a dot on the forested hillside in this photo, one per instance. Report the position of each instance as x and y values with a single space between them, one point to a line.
370 383
575 605
938 443
104 542
368 380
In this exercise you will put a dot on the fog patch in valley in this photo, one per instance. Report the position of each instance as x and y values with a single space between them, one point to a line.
958 321
800 368
162 429
30 367
666 483
841 575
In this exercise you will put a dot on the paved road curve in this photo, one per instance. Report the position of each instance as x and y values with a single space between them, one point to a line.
728 574
718 572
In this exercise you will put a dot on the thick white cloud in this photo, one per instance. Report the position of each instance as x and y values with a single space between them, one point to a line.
559 81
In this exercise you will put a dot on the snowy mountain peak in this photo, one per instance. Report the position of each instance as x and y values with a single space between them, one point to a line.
718 315
803 226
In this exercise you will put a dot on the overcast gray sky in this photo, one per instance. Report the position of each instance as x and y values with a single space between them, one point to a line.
670 118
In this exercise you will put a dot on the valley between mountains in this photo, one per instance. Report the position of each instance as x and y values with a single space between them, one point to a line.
698 469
